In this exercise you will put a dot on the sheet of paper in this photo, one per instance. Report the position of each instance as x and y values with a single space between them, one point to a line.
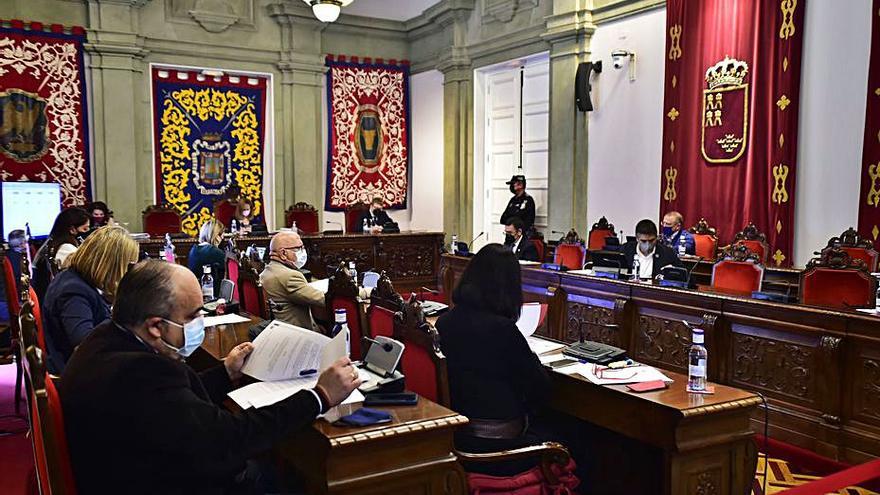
636 374
230 319
262 394
339 346
581 272
529 318
874 312
542 346
552 357
322 284
527 262
282 351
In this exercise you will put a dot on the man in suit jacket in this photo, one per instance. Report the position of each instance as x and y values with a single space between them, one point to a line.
286 286
376 217
516 240
652 255
140 421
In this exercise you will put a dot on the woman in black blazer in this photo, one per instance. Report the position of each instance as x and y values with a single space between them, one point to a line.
494 378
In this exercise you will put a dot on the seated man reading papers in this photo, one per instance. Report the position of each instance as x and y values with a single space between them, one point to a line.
139 420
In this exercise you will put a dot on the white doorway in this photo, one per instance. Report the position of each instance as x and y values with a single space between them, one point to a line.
511 111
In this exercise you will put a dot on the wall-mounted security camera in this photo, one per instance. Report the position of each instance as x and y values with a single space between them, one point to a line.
619 58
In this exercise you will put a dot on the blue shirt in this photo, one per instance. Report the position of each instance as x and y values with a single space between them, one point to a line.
689 242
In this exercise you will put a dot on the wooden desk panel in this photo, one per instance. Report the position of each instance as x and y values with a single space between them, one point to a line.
818 368
411 259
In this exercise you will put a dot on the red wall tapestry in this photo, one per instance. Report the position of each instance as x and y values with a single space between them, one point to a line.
43 121
731 111
368 146
869 199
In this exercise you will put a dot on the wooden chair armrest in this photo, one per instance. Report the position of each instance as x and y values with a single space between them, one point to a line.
549 452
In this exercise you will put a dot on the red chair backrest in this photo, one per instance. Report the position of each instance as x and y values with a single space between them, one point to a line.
38 319
705 246
56 416
160 222
597 239
224 210
10 286
352 314
251 296
421 372
742 277
38 440
353 217
869 256
838 288
306 221
756 247
232 269
570 255
422 362
539 246
381 321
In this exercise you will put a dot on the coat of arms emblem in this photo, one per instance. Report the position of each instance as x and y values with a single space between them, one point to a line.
24 130
368 138
725 116
211 164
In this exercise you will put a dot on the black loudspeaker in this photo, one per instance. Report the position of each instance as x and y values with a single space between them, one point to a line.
582 84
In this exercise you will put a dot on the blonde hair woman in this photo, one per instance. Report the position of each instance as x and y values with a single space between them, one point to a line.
79 298
207 253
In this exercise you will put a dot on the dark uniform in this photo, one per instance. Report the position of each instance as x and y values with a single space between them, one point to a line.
520 206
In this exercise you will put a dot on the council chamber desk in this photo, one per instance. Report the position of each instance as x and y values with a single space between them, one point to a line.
411 259
818 368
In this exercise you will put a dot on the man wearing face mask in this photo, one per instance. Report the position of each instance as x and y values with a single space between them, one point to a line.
375 217
516 240
652 255
140 421
520 205
287 287
673 232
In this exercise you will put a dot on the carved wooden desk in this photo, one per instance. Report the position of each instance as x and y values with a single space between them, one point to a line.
411 259
818 368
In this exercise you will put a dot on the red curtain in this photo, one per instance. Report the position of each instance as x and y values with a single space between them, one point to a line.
731 111
869 199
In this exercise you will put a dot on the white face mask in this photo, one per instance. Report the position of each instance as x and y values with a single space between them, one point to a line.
301 258
646 247
246 213
193 335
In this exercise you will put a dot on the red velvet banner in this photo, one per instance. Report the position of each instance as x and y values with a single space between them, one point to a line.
869 199
43 121
731 112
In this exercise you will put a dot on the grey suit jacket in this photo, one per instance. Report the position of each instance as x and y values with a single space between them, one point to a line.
293 296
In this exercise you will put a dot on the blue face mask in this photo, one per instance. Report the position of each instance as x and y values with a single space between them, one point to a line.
193 335
666 231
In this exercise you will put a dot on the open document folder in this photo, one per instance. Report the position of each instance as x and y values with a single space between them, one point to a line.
287 359
529 319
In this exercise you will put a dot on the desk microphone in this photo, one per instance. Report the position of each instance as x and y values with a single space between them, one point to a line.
688 280
475 239
387 347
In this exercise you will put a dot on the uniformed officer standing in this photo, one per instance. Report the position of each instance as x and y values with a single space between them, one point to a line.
520 205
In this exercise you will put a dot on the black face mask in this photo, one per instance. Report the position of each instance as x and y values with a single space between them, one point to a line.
508 239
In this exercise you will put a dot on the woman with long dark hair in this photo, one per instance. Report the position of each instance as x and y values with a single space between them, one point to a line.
64 238
494 378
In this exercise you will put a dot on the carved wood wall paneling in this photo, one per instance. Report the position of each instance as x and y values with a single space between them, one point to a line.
663 342
406 260
828 383
865 383
590 323
777 368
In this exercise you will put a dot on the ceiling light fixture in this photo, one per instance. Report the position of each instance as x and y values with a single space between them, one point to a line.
327 10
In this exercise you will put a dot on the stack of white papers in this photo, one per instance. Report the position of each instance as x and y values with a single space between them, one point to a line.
621 376
230 319
529 318
542 346
322 284
287 359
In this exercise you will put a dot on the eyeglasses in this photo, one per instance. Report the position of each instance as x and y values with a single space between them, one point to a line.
295 249
622 374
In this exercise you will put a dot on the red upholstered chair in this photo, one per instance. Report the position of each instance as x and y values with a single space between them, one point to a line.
342 293
424 366
836 280
738 271
252 298
754 240
38 319
232 271
305 216
598 232
572 256
353 216
539 246
160 220
857 247
13 302
384 304
51 454
224 210
705 240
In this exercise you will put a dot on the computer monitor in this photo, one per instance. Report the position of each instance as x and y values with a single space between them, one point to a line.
33 203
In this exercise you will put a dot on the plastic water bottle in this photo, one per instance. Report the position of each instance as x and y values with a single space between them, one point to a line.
366 226
622 238
293 227
234 227
637 269
352 270
340 324
682 245
697 359
169 250
454 246
207 284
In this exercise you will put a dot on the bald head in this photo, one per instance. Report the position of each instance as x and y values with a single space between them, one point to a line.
284 240
156 289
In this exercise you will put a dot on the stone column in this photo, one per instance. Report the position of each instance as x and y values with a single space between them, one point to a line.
569 30
299 164
117 86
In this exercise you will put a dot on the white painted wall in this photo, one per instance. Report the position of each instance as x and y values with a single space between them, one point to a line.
626 127
834 85
425 209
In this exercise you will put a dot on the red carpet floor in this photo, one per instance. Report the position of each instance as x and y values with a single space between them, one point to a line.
16 456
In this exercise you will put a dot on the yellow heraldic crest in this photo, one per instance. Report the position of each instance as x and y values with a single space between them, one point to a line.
725 116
